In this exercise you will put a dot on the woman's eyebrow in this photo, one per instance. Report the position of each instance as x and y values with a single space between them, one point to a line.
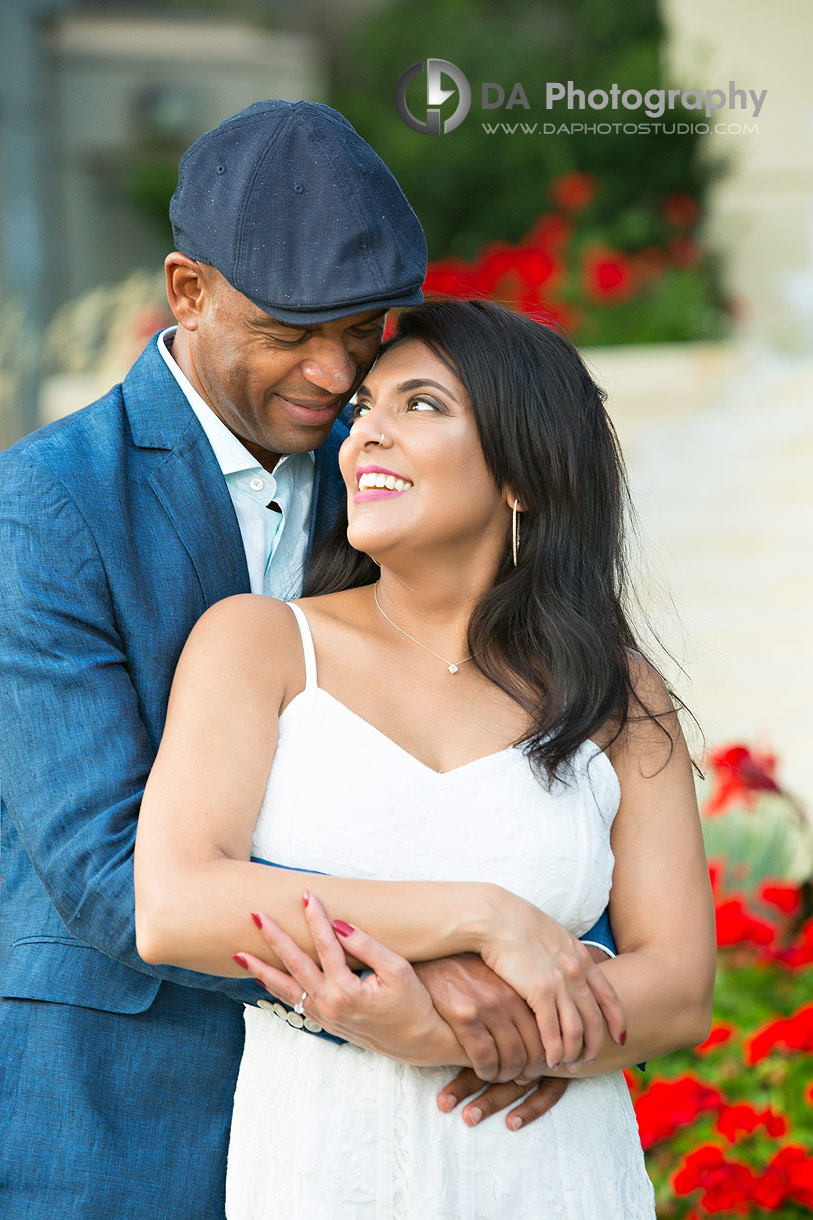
416 383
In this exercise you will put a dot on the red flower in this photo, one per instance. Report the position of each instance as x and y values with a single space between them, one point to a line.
515 272
726 1185
682 211
783 895
551 232
788 1178
669 1104
685 251
788 1033
651 262
608 275
572 192
800 953
451 278
735 926
718 1035
734 1120
716 874
738 774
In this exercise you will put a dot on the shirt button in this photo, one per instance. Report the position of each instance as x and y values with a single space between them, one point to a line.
293 1018
256 484
264 1004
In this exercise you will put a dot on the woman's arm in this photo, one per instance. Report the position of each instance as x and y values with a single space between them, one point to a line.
660 905
195 884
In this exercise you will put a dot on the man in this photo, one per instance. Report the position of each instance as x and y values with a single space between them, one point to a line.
210 471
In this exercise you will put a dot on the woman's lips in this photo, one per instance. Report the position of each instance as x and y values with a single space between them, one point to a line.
377 493
367 474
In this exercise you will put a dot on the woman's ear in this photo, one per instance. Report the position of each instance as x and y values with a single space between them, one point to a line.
511 499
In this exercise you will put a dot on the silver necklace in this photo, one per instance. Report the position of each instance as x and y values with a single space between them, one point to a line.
450 665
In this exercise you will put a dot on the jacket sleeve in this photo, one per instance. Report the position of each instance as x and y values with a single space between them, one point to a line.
74 750
601 934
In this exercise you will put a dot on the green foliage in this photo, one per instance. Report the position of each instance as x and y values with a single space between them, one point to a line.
469 187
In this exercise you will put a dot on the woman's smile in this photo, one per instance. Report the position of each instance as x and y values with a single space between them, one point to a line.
378 483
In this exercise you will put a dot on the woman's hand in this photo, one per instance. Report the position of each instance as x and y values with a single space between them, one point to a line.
554 972
389 1011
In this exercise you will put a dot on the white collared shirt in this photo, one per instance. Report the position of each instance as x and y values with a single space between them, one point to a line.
275 543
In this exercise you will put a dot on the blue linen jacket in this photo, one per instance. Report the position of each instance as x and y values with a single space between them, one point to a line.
116 533
116 1077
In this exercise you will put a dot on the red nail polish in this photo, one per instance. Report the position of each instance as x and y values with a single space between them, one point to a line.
305 898
241 961
344 929
623 1038
257 919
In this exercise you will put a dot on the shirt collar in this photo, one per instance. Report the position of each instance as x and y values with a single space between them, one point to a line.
232 455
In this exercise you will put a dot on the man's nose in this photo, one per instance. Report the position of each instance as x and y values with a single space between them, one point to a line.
330 367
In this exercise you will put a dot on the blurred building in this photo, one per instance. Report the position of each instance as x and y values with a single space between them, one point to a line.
96 106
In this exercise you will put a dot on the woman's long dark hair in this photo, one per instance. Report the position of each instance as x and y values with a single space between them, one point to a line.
551 632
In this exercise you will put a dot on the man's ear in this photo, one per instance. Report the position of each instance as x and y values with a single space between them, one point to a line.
186 288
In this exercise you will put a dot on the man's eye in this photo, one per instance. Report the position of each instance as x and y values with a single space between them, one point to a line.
280 342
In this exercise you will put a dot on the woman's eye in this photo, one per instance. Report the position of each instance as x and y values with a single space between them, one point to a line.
360 408
423 404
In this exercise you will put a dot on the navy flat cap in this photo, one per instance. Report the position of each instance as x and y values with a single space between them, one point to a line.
298 213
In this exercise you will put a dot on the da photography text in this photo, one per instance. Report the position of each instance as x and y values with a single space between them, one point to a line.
443 80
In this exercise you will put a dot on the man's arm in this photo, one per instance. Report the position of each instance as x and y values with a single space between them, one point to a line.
74 750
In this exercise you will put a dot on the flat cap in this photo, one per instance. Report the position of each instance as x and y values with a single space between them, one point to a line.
299 214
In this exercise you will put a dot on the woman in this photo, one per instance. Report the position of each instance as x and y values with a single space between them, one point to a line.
460 731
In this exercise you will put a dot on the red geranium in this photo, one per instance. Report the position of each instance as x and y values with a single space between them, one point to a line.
787 1178
783 895
800 952
726 1185
682 211
551 232
608 275
668 1105
451 278
719 1034
744 1119
572 192
738 774
788 1033
736 925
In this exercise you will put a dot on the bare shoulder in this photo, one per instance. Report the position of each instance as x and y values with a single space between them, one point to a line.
347 608
651 729
250 637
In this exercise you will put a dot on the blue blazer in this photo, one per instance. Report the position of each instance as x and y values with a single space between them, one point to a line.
117 532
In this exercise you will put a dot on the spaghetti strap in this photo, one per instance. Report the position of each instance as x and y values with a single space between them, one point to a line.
307 646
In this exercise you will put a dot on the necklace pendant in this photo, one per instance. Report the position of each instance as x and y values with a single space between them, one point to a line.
453 669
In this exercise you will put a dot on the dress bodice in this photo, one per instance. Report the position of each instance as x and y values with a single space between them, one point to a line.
343 798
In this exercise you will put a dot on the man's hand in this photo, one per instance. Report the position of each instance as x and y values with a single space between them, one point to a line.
495 1027
543 1096
453 981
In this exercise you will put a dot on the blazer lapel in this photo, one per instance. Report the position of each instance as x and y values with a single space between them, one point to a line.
188 481
329 491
